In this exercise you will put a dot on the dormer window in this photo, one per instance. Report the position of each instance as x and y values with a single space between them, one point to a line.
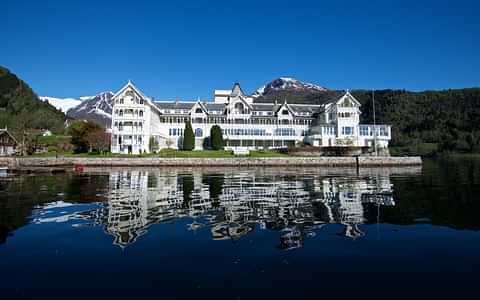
285 112
198 111
238 109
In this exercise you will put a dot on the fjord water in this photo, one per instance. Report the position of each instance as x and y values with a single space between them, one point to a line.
241 233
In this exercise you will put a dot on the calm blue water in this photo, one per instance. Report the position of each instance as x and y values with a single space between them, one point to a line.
241 234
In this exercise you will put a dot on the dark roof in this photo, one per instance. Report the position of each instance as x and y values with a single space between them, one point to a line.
4 131
318 98
265 107
174 105
214 106
304 108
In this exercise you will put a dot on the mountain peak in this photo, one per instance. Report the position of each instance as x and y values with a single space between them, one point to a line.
287 84
96 108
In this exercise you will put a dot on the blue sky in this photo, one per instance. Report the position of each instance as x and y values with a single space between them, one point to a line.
186 49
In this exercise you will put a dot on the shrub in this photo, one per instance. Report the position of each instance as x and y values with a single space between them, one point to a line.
216 138
188 137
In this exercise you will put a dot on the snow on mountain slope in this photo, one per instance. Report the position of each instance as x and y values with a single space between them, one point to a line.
94 108
62 104
287 84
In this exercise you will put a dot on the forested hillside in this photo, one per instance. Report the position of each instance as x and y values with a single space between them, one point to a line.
21 109
422 122
448 119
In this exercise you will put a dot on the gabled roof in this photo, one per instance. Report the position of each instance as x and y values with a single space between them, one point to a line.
5 131
347 94
132 86
202 106
237 90
287 106
241 98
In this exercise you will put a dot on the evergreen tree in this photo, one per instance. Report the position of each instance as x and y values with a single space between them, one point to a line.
21 109
188 137
216 138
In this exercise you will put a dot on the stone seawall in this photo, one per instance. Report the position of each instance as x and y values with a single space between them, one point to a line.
51 162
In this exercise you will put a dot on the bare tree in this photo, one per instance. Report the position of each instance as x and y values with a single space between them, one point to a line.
98 140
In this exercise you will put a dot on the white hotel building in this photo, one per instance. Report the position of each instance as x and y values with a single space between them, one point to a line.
245 124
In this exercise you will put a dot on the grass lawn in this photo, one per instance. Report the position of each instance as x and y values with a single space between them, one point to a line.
170 153
201 153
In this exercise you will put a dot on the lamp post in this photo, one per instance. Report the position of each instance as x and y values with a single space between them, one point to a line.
374 124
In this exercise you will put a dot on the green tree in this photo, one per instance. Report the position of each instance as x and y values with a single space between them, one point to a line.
79 131
21 109
216 138
188 137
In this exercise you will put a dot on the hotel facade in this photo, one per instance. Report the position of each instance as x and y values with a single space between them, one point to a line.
246 123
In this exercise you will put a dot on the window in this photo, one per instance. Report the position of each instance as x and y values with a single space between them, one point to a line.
346 103
198 132
238 109
285 112
364 131
121 113
285 132
347 130
198 111
383 131
140 113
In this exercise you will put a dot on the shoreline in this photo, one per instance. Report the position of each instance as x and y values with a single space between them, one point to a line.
19 163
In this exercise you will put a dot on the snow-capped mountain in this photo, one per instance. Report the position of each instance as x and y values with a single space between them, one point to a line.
287 84
96 108
62 104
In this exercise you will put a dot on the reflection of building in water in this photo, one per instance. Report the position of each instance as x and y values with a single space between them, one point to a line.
344 200
232 204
